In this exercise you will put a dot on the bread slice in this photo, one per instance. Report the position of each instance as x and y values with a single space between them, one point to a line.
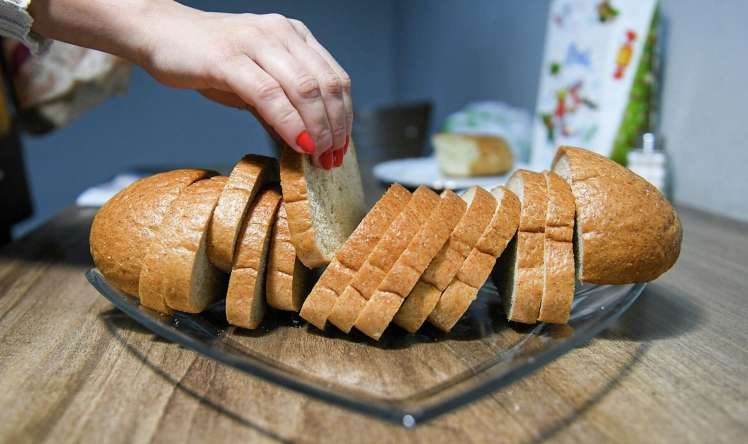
472 155
349 259
558 252
382 307
381 259
176 273
323 207
520 271
127 224
245 298
416 308
462 291
249 175
286 277
626 231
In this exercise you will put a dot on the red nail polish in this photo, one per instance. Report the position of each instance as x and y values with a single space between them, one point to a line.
338 156
305 142
345 147
326 159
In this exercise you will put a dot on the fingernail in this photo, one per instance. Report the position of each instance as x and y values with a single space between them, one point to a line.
345 147
326 159
338 156
305 142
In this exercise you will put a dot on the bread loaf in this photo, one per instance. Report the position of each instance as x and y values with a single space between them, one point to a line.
125 226
349 259
323 207
472 155
558 252
520 271
249 175
176 272
476 269
382 258
626 231
245 299
383 305
425 295
287 277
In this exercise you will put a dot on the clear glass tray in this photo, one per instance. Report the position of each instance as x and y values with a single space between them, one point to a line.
404 378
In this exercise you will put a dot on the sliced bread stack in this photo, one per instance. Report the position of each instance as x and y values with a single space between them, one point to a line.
183 239
350 258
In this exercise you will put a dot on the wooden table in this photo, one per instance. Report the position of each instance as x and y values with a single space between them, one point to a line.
674 368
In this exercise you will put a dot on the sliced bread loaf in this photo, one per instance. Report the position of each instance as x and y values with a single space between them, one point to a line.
383 305
126 225
520 271
425 295
477 267
626 231
249 175
287 277
176 273
382 258
558 252
245 298
323 207
349 259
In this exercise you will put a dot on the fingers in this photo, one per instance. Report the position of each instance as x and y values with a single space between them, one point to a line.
331 87
263 93
300 86
309 38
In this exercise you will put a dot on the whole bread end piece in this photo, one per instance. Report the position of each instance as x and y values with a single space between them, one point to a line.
324 207
126 225
626 230
249 175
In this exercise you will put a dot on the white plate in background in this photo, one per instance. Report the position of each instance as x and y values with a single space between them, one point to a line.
418 171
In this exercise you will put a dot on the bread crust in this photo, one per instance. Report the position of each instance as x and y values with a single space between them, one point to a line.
249 175
296 196
321 300
381 308
627 230
126 225
443 268
286 276
245 296
381 259
558 252
476 269
173 261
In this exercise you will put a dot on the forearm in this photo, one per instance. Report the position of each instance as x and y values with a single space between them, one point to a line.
119 27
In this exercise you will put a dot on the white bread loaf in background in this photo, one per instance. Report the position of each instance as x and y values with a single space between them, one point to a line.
466 155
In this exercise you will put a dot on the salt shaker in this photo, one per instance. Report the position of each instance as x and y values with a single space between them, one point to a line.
651 162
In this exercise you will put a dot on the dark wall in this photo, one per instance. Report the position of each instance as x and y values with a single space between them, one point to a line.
456 51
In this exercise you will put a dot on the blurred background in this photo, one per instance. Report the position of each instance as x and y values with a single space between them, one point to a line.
448 53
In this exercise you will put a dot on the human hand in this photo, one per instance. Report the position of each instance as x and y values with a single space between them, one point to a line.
268 64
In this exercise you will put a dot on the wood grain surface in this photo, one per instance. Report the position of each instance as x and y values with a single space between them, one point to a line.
74 369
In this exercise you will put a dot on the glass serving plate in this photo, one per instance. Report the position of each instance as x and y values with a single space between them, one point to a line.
404 378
